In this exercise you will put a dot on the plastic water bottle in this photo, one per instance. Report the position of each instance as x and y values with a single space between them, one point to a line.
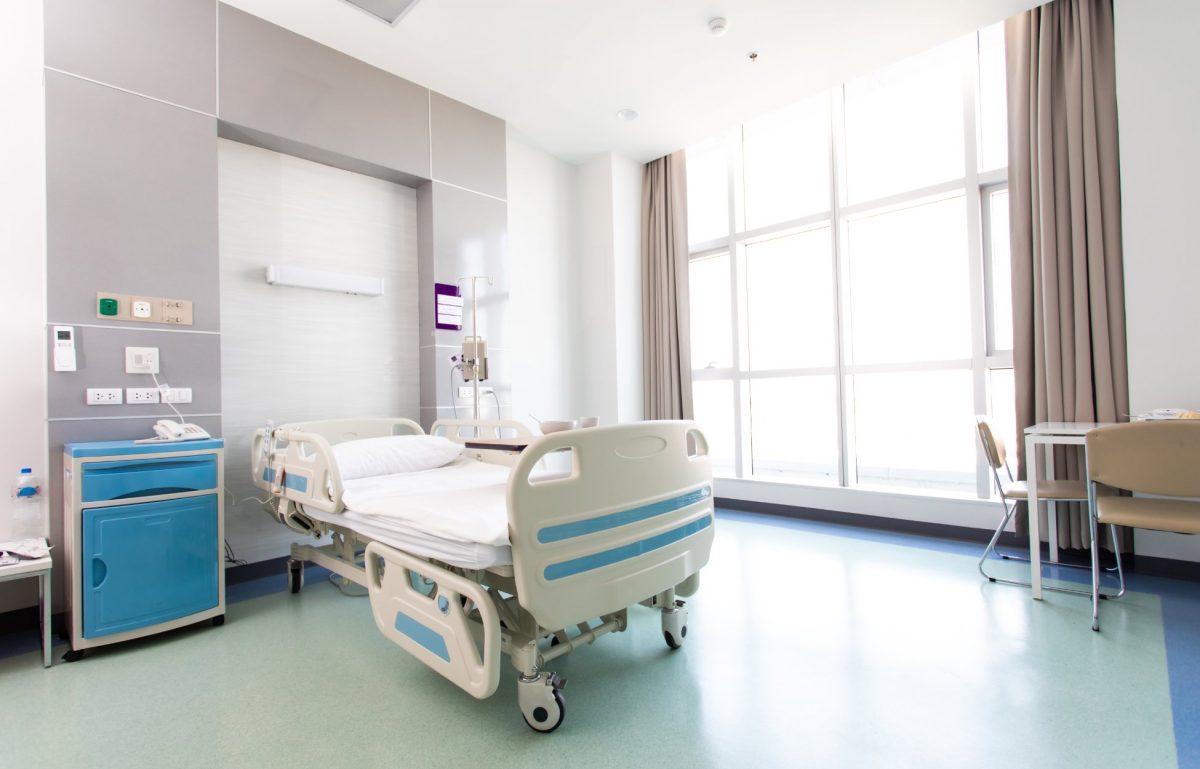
27 506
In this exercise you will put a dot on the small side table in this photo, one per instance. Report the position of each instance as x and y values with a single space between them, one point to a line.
40 568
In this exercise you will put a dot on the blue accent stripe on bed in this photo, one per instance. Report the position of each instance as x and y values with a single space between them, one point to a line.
613 520
296 482
625 552
422 634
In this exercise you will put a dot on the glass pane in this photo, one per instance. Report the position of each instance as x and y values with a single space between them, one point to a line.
915 429
786 163
712 323
993 99
707 192
793 422
1002 407
904 124
712 404
789 308
1001 267
909 284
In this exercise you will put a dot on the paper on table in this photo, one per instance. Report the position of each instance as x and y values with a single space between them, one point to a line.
26 548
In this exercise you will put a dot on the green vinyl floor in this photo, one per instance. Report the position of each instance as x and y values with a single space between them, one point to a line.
805 649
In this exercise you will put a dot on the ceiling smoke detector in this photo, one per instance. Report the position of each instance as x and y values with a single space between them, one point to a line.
387 11
717 26
627 114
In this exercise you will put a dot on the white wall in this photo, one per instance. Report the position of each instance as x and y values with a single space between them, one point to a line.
23 249
290 354
1158 101
597 353
627 285
610 287
542 255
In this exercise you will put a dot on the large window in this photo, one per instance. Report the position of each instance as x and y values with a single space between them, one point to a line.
850 282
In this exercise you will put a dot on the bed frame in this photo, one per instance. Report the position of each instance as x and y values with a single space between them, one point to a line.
631 522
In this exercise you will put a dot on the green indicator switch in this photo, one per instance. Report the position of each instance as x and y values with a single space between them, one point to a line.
109 306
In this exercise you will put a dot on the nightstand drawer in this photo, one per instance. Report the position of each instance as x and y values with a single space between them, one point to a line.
129 479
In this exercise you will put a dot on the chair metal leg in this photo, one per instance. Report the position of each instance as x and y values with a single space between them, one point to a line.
1112 530
1092 526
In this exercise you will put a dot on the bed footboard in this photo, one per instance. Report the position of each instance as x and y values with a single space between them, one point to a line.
435 628
633 519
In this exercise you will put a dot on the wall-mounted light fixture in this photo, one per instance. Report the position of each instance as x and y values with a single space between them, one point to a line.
304 277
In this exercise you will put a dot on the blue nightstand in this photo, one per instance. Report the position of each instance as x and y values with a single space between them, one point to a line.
143 538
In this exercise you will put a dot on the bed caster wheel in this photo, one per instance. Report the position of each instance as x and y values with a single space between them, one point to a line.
674 624
74 655
1096 625
541 701
219 620
295 572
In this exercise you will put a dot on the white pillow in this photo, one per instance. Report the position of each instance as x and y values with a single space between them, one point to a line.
369 457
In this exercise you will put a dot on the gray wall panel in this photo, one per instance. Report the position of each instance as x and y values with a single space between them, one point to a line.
163 49
131 201
185 360
281 83
468 147
90 430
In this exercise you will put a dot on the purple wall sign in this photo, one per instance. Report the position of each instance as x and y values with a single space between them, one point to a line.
448 306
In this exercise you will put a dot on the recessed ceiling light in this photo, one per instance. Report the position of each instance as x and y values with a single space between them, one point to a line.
388 11
627 114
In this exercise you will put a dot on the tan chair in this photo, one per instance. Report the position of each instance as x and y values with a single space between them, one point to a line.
1156 458
1013 491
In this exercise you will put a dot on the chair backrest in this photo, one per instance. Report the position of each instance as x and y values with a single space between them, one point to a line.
993 446
1161 458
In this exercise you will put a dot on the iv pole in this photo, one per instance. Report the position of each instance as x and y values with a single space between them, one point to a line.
474 359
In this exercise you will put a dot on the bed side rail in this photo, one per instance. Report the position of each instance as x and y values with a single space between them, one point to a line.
632 519
462 429
296 462
297 466
435 628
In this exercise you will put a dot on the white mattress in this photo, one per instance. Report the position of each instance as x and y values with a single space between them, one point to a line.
457 514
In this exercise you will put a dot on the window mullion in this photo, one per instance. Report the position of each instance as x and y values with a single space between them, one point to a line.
975 250
837 178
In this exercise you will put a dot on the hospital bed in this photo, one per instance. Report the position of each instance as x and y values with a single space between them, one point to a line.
496 554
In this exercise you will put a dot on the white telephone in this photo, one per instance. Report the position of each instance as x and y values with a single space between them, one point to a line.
170 431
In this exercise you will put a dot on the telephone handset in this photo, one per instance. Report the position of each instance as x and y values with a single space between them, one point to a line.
170 431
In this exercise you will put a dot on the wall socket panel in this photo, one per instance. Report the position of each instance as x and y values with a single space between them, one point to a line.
178 395
467 391
135 395
104 396
143 309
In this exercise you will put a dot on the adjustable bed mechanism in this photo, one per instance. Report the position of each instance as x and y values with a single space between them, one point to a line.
631 523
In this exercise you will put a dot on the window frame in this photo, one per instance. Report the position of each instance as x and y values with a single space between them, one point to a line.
975 185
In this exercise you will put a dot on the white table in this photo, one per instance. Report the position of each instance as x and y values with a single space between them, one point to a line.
1048 434
40 568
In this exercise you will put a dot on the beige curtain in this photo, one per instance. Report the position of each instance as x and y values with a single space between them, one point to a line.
666 349
1069 350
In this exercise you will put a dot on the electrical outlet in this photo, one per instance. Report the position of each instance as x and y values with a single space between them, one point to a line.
141 395
141 360
178 395
104 396
466 391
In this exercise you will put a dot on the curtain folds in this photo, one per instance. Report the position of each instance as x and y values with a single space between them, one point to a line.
1069 353
666 355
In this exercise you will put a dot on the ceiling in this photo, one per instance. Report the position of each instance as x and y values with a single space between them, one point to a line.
559 70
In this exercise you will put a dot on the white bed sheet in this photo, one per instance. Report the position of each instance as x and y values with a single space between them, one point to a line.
394 533
457 514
